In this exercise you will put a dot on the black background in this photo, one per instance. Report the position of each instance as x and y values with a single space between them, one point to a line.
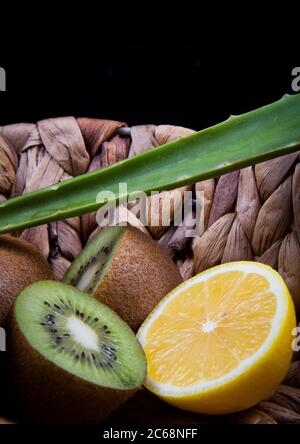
188 85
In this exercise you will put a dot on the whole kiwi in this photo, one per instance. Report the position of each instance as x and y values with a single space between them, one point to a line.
126 270
20 265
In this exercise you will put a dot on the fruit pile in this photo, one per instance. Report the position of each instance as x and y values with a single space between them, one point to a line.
70 358
217 343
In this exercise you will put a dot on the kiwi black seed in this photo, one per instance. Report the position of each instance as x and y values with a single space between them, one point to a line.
20 265
70 358
125 269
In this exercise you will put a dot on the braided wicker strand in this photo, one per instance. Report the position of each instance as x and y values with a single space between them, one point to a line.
260 225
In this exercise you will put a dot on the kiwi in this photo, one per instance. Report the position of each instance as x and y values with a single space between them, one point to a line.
125 269
70 358
20 265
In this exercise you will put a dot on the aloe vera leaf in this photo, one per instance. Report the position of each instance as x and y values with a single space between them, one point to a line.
240 141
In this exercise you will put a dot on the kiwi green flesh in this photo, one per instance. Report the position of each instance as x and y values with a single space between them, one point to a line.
80 335
88 269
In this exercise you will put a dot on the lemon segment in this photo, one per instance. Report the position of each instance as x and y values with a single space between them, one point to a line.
221 341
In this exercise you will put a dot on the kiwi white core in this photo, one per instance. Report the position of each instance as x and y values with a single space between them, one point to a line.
86 278
83 333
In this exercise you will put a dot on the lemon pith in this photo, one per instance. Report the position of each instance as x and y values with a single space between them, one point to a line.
221 341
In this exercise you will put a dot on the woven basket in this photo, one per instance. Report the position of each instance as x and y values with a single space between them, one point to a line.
253 214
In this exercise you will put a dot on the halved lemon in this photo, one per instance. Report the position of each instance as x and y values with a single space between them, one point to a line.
221 341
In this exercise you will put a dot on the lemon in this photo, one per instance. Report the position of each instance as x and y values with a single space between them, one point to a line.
221 341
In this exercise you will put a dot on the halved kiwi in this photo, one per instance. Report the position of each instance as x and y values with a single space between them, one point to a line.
126 270
71 358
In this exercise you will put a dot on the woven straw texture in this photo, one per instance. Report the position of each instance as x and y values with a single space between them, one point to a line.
252 214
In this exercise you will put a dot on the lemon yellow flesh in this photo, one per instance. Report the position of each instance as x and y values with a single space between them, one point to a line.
221 341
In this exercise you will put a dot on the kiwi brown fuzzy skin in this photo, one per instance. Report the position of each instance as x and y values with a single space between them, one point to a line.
138 277
43 393
20 265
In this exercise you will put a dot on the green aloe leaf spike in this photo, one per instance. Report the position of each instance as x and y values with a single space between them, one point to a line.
240 141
